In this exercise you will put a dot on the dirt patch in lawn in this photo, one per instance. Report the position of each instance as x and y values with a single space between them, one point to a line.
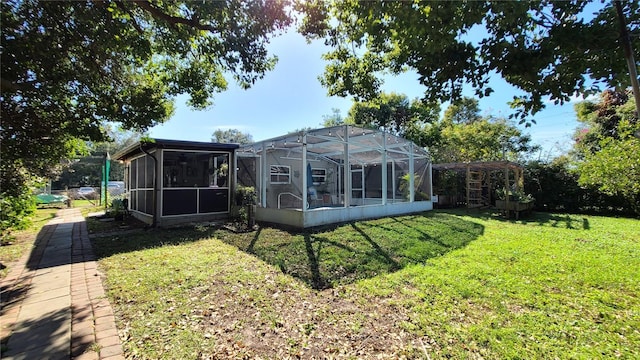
304 324
316 327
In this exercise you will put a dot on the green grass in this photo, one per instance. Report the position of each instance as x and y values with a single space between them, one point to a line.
436 285
554 286
86 204
23 239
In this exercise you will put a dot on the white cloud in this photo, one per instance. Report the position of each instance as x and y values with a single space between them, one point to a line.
574 99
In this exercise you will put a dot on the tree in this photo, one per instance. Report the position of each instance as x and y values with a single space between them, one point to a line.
464 111
599 120
547 49
394 113
463 135
487 139
615 170
231 136
87 170
68 67
334 119
608 153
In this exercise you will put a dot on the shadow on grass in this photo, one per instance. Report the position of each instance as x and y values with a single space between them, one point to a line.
566 221
556 220
112 244
346 253
328 256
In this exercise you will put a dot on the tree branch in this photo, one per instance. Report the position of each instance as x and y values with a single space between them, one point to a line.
133 18
173 20
7 85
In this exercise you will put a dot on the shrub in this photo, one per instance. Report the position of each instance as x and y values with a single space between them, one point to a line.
555 187
15 212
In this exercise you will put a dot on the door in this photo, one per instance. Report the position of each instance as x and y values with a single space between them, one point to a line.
357 185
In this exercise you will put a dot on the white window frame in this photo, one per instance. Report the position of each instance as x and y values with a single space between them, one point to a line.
280 176
322 176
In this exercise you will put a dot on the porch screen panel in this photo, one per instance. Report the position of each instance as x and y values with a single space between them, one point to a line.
214 200
402 181
247 171
179 202
133 200
133 172
373 182
148 202
141 169
422 180
140 205
149 172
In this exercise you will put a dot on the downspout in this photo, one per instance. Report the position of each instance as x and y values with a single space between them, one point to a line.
155 167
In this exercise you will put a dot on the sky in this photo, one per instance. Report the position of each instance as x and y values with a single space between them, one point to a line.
290 97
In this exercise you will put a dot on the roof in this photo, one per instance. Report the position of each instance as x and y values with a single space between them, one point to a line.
171 144
365 145
478 165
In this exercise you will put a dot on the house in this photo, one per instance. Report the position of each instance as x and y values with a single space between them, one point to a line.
303 179
170 182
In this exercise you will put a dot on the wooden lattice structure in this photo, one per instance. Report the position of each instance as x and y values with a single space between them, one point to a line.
478 179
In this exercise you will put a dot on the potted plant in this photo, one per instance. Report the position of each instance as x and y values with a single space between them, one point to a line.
518 200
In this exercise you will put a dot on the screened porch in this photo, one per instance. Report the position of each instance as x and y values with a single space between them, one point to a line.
335 174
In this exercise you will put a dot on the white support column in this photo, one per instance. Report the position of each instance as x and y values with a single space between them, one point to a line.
412 174
304 188
265 175
430 181
384 168
393 180
347 169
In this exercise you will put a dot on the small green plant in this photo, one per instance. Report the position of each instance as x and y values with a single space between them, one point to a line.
95 347
245 195
518 195
242 211
117 209
417 182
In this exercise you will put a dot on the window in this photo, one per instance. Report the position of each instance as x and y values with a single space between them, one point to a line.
195 169
280 174
319 176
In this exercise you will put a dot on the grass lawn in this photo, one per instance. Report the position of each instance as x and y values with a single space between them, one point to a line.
435 285
23 239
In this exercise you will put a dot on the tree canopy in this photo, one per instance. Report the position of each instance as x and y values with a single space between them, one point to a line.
231 136
68 67
460 135
608 153
463 135
334 119
395 113
547 49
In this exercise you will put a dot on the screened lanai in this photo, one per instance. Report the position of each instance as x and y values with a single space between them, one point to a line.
335 174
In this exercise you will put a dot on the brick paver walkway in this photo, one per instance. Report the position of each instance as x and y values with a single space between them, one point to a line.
53 302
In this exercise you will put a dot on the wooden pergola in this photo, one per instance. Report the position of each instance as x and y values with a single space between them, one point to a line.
475 179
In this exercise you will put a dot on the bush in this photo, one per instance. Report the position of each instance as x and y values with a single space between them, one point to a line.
555 187
15 212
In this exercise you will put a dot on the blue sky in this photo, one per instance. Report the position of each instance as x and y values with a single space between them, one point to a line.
290 97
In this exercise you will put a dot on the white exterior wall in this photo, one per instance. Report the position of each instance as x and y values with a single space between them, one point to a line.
327 215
